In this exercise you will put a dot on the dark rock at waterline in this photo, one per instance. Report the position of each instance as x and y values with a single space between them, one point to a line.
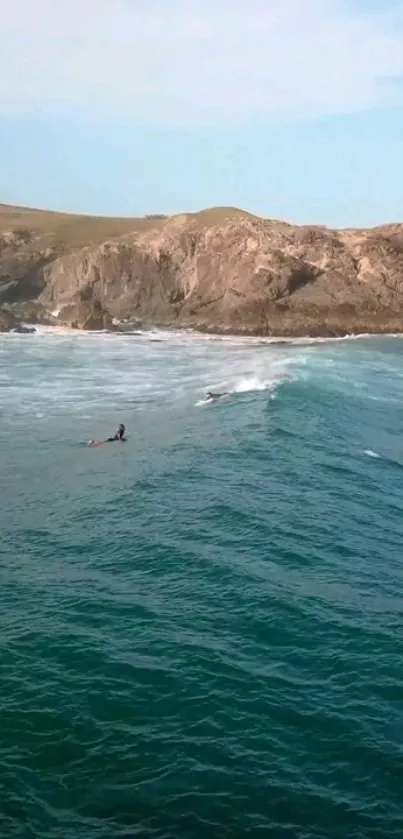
30 312
10 323
25 330
7 321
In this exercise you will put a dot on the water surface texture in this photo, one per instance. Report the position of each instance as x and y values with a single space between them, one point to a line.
201 629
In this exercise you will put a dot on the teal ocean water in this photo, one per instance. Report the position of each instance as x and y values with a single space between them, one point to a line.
201 629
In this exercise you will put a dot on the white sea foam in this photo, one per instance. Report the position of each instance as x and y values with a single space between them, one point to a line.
188 335
188 338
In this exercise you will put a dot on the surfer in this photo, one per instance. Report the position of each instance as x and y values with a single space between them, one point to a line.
212 397
120 435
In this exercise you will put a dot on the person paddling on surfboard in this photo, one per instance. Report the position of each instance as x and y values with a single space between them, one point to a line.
212 397
120 434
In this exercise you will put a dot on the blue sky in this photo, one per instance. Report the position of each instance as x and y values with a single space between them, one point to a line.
289 109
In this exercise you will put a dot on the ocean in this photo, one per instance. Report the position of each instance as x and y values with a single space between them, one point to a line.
201 628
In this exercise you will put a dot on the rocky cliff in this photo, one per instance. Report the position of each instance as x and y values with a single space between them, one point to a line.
218 270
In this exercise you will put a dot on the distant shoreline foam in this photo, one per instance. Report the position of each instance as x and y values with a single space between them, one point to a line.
189 334
155 334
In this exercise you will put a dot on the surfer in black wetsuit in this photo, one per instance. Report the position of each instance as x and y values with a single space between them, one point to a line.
211 396
120 434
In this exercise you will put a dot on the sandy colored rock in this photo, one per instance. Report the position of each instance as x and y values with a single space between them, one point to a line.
87 315
219 270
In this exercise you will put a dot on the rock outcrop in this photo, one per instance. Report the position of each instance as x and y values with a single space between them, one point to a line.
220 270
25 330
7 321
87 315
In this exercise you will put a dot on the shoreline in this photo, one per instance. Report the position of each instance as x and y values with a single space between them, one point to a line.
159 333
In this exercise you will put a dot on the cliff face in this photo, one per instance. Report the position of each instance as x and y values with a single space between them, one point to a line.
217 270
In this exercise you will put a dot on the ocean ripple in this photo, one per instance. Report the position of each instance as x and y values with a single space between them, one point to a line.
202 629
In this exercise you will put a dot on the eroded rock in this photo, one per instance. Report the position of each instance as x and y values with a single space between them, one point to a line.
223 272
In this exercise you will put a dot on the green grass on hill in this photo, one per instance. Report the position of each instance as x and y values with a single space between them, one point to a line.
73 230
78 230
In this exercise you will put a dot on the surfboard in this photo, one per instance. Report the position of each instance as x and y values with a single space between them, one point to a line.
214 399
92 444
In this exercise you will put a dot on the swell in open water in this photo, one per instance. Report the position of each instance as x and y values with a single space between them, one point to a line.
201 630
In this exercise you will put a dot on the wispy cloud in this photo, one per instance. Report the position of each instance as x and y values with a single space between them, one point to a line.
198 62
